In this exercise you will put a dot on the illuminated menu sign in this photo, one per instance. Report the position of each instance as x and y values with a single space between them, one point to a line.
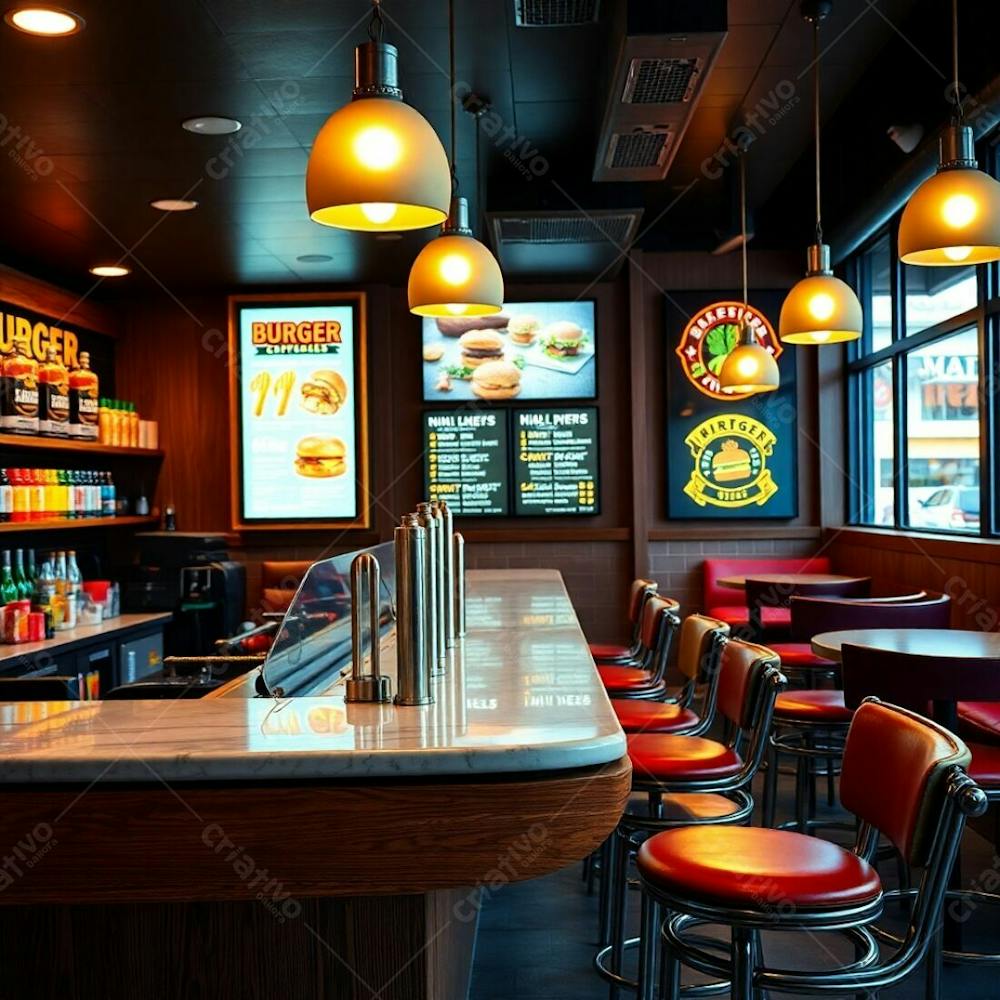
728 456
467 461
297 385
556 462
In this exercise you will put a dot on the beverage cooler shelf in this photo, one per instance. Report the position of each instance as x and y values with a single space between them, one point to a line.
68 524
30 443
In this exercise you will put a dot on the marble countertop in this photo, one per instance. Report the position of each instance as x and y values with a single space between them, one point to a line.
521 694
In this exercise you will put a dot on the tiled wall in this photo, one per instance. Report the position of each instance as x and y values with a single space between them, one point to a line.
676 565
597 576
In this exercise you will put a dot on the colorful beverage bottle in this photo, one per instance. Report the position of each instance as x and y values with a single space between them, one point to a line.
21 495
84 403
19 413
53 396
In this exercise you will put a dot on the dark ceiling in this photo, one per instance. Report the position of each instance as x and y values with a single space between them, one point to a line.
102 111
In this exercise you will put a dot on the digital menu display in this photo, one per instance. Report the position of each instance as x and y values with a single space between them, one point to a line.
467 461
298 403
529 351
556 462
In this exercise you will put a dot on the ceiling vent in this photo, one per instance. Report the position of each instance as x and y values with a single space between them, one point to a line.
663 60
577 244
555 13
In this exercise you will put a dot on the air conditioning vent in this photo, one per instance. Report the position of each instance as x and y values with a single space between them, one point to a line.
574 228
642 149
661 81
555 13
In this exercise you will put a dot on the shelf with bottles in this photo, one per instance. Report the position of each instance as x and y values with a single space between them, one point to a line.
120 521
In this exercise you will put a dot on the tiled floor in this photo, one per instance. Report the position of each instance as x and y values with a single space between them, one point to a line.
537 941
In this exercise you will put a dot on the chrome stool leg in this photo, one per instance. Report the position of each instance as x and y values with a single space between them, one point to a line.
649 948
743 963
604 894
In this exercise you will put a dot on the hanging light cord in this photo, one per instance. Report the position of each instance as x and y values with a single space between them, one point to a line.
816 61
376 26
452 73
743 222
957 95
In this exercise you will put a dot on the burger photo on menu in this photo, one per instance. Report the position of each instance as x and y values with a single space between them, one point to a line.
531 350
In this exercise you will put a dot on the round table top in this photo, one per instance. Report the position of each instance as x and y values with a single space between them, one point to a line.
937 642
782 579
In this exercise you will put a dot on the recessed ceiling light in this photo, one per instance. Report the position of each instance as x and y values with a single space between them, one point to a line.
211 125
110 270
52 22
314 258
174 204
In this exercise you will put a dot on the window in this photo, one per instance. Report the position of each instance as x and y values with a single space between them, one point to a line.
916 390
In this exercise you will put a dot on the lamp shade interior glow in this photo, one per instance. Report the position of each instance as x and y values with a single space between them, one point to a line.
455 275
820 309
749 368
952 218
49 21
377 165
110 270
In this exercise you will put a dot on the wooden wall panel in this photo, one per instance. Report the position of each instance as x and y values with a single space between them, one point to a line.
70 307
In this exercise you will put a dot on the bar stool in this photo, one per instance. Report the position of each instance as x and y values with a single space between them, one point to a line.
810 726
904 777
608 652
691 781
658 625
701 642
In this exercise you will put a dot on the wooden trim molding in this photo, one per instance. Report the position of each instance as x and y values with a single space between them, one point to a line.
552 534
979 550
693 533
201 842
73 308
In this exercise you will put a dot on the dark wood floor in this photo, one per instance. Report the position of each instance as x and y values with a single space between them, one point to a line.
537 940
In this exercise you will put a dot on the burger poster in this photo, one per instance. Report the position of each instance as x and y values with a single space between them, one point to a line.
529 351
728 456
298 402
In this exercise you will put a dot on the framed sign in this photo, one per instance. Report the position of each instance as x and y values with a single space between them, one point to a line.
299 411
728 456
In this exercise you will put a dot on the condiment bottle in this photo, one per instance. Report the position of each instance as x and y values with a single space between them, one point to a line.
84 406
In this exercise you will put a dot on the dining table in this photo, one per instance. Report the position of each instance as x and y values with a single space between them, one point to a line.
739 581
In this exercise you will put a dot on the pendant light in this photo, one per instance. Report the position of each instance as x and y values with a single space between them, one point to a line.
953 218
749 367
377 165
455 275
820 309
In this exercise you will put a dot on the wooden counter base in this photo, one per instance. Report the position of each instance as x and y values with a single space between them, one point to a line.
132 844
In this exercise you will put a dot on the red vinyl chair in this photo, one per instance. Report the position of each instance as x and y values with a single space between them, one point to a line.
690 781
756 880
658 625
727 605
606 652
700 647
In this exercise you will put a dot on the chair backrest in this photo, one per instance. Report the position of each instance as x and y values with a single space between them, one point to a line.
52 688
651 621
895 775
812 615
741 674
763 594
638 592
279 580
700 645
714 569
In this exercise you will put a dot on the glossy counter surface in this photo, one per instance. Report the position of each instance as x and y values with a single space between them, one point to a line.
521 694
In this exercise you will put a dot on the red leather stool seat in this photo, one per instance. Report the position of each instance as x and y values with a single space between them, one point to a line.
736 615
980 720
609 651
637 716
753 868
624 678
680 758
813 706
800 654
985 766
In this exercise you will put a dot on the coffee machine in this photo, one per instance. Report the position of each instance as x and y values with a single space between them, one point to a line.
189 574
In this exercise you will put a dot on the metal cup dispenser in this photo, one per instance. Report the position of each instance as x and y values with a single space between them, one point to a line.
366 583
413 668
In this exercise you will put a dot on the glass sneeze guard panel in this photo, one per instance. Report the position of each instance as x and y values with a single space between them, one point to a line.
313 646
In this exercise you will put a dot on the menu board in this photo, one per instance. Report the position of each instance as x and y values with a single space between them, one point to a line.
556 462
298 402
529 351
729 456
467 461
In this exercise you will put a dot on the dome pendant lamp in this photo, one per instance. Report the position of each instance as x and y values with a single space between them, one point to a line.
377 165
748 367
953 218
455 275
820 309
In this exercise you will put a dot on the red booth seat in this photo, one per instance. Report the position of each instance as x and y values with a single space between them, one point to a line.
979 720
729 605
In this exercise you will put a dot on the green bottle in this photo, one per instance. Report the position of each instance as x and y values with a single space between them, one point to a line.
8 588
20 578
